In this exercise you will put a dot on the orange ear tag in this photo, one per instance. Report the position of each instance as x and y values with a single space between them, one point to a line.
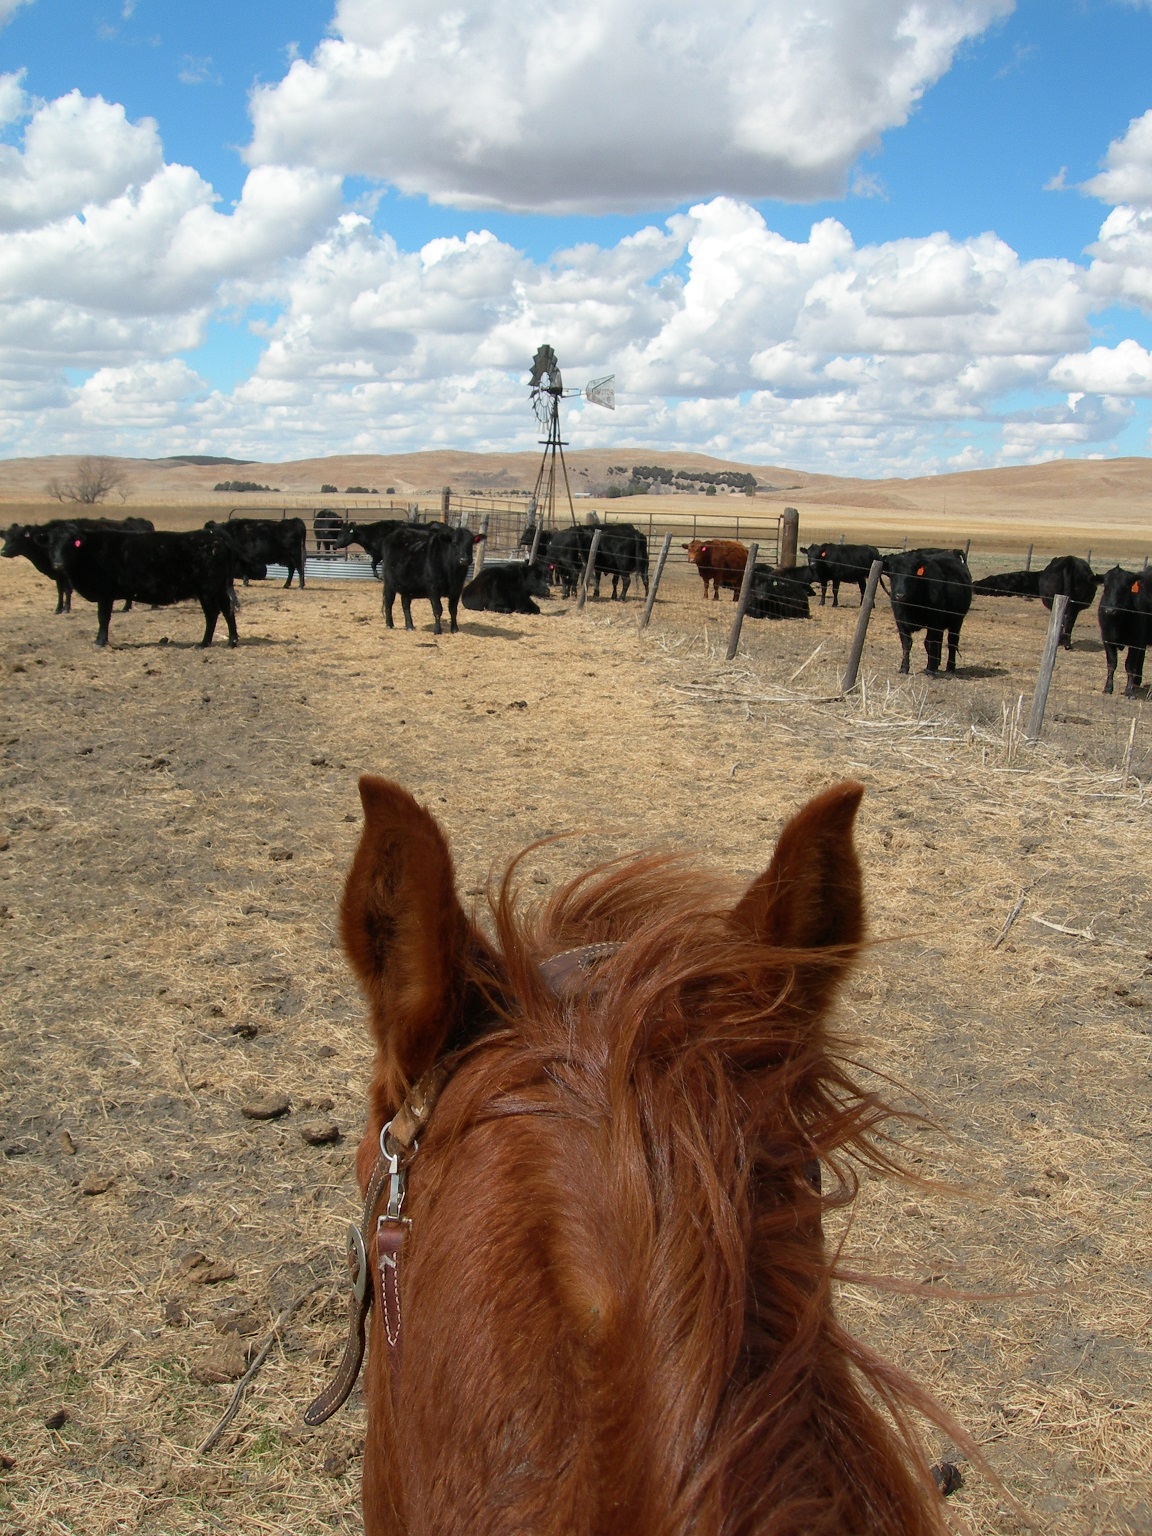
919 570
1136 586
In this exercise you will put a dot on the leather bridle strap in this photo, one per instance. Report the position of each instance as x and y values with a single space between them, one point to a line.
398 1144
565 974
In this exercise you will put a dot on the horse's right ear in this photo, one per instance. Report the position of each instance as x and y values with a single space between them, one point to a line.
809 900
405 931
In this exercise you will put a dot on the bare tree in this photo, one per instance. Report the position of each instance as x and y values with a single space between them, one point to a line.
91 482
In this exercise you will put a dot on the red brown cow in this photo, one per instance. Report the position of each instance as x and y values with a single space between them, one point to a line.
591 1176
719 561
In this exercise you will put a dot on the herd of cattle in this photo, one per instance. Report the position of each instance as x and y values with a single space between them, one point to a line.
930 589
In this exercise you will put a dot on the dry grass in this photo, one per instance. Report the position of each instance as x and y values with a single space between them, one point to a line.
148 910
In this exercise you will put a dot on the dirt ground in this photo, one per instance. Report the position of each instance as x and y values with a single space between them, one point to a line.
174 830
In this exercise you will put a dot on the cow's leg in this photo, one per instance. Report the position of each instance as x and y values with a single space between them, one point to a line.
933 638
835 594
905 646
60 596
1134 666
1111 655
388 597
625 583
291 573
103 619
453 608
824 599
211 610
437 613
228 609
127 608
715 589
953 647
1071 614
406 605
862 583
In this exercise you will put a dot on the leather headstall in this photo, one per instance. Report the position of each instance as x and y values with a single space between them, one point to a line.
399 1141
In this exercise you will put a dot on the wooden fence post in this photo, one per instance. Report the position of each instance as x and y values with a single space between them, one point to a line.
664 548
1028 558
967 547
790 541
483 544
537 528
866 605
445 503
1047 664
745 593
589 567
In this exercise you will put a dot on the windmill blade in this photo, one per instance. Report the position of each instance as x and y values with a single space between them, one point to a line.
602 392
546 370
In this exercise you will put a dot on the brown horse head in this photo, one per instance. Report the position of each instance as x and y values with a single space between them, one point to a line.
615 1292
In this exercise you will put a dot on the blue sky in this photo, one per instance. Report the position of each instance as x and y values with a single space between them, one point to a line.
882 238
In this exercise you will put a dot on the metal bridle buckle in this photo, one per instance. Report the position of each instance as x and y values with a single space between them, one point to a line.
357 1255
397 1174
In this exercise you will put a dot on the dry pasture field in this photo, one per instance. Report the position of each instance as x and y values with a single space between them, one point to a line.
174 831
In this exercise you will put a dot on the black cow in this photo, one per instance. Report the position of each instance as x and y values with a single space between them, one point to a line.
568 555
930 590
622 553
528 538
506 586
1008 584
840 562
326 526
371 537
263 541
1073 576
780 594
36 541
1066 573
158 568
1126 620
426 560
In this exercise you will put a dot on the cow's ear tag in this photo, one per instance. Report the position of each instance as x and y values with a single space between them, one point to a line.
1136 585
76 545
919 570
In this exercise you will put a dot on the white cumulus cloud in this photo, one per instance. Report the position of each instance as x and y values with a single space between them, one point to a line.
609 104
1127 173
1125 369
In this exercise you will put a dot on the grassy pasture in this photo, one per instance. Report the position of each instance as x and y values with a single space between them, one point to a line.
175 827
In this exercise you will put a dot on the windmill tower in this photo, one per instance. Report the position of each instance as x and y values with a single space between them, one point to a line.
547 389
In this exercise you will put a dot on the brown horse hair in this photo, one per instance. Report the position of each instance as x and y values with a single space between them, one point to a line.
616 1185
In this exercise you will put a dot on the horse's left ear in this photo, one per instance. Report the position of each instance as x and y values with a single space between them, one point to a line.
809 900
405 931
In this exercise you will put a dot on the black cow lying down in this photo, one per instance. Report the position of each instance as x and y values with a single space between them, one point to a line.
506 587
427 560
1126 620
930 590
36 541
780 594
158 568
264 541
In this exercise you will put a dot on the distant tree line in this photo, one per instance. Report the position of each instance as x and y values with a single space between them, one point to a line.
646 477
238 487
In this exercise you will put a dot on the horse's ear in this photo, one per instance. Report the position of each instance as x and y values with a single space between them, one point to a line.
405 931
809 898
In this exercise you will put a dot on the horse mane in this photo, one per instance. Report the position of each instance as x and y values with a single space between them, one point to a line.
618 1297
693 1048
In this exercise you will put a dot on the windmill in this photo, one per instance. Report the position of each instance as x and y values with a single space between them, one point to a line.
547 389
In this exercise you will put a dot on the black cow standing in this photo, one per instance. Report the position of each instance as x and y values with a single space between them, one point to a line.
1073 576
622 553
840 562
371 537
158 568
263 541
36 542
427 560
326 526
930 590
780 594
1065 574
1126 620
506 586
